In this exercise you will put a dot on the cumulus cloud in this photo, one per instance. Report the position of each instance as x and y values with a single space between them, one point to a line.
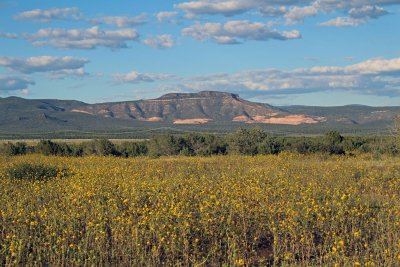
236 31
10 83
166 16
294 11
83 38
67 73
8 35
160 41
375 76
297 14
121 21
357 16
224 7
46 15
367 12
273 11
342 22
42 64
136 77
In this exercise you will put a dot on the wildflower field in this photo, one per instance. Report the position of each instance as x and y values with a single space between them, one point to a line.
279 210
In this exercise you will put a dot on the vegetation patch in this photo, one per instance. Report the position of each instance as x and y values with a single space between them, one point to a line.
34 172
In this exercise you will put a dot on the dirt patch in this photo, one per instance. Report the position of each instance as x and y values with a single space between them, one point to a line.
295 119
289 120
152 119
241 119
81 111
192 121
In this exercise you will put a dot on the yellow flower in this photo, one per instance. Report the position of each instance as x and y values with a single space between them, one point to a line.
240 262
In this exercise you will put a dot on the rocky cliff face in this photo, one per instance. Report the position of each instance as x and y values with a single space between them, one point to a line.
197 108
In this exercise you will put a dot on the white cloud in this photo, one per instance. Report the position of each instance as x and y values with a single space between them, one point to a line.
294 11
236 31
166 16
46 15
375 76
297 14
376 66
8 35
83 38
160 41
367 12
67 73
121 21
42 64
343 22
136 77
357 16
224 7
24 92
273 11
10 83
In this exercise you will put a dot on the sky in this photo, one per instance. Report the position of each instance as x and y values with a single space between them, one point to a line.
281 52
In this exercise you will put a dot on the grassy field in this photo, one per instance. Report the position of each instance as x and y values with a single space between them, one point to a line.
280 210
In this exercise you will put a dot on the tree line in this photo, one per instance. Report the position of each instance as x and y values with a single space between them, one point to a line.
242 142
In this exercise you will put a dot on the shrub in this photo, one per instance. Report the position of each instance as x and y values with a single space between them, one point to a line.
47 148
165 145
246 141
133 149
33 172
333 143
302 146
11 149
101 147
270 146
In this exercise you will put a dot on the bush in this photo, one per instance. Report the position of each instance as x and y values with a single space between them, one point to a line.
333 143
133 149
165 145
270 146
47 148
101 147
34 172
11 149
301 146
246 141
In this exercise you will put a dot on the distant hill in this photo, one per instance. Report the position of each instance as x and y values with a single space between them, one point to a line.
350 114
199 108
176 112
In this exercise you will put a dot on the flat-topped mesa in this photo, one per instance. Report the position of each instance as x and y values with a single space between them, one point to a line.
197 108
202 94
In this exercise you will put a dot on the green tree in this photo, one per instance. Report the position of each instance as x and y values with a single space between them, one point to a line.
333 141
270 146
11 149
204 144
246 141
133 149
101 147
396 130
47 147
165 145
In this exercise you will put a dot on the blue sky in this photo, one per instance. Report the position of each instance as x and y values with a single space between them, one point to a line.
308 52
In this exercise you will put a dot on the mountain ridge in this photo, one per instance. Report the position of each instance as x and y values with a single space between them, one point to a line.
210 111
194 108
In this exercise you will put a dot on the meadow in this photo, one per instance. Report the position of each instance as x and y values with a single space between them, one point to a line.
275 210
